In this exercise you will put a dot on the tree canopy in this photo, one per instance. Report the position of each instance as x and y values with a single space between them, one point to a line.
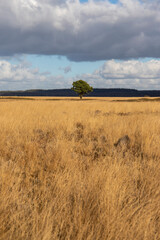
81 88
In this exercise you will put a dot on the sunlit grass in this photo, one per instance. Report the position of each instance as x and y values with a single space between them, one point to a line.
61 177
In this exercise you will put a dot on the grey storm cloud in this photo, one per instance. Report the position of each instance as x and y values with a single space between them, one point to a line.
96 30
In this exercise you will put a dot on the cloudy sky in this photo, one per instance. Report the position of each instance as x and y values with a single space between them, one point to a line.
51 43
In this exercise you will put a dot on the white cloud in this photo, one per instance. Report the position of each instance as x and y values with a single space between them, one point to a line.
113 74
96 30
126 74
24 76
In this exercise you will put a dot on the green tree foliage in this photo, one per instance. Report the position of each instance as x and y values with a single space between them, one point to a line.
81 88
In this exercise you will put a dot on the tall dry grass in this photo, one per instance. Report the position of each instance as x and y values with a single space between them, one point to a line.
62 178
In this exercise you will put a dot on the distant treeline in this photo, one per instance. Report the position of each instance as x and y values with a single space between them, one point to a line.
97 92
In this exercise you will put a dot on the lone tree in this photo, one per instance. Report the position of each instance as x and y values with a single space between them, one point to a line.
81 88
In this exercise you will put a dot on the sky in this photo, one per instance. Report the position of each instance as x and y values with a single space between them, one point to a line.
48 44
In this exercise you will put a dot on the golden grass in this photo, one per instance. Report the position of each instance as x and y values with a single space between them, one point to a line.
62 178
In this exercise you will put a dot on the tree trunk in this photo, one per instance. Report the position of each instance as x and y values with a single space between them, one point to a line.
80 97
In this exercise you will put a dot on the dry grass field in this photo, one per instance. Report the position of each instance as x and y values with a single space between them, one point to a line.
62 177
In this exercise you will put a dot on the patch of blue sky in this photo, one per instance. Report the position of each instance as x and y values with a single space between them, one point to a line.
147 59
56 65
112 1
83 1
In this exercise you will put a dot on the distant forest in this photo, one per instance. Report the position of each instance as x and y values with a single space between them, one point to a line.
97 92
